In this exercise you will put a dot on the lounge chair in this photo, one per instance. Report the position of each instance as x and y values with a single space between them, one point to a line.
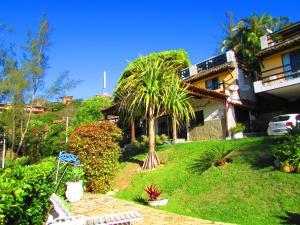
65 217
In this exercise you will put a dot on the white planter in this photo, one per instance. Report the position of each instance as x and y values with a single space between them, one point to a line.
161 202
74 191
238 135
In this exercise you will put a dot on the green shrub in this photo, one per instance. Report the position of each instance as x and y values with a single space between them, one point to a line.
144 140
22 161
238 128
25 192
158 140
98 150
288 149
164 138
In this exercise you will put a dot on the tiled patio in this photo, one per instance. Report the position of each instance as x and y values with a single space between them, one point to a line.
93 204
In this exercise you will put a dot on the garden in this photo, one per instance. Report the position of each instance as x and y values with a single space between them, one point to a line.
244 181
232 181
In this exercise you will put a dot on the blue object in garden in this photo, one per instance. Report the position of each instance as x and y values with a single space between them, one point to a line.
68 158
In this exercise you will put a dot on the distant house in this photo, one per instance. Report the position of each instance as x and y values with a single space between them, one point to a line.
221 96
278 85
66 100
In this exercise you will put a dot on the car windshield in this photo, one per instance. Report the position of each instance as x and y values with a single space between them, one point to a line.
280 118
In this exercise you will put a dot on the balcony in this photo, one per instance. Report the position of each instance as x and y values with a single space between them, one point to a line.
280 83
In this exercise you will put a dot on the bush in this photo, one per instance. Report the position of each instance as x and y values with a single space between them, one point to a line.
90 112
25 192
287 151
144 140
158 140
164 138
238 128
98 150
22 161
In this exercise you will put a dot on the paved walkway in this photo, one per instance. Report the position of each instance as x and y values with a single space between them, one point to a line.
93 204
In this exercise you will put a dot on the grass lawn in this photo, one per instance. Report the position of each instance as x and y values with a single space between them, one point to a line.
248 191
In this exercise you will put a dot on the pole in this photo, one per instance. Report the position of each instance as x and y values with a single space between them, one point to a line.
67 127
3 152
104 82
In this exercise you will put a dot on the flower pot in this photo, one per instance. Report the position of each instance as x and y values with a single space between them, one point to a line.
238 135
161 202
74 191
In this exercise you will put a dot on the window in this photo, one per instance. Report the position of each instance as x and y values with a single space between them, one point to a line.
291 64
295 60
213 84
280 118
198 120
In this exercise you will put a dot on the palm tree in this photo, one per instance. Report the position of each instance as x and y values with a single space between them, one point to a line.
142 86
244 37
178 104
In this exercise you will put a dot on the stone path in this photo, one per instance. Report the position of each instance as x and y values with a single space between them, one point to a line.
94 204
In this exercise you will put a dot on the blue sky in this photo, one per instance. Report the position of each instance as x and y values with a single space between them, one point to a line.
89 37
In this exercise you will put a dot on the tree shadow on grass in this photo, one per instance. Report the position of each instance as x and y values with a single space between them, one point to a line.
259 154
290 218
129 156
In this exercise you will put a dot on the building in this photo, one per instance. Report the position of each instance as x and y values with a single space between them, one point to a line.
66 100
221 96
278 85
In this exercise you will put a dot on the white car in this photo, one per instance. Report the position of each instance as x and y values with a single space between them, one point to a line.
279 125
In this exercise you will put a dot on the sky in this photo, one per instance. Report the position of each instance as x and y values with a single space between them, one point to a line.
90 37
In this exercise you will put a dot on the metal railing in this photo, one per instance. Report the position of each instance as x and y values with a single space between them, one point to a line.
278 77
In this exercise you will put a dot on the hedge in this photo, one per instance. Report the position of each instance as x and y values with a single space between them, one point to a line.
97 147
25 192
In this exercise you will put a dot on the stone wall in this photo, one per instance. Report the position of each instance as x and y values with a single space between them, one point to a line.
212 129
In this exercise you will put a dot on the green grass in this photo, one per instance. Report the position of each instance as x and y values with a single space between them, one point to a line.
248 191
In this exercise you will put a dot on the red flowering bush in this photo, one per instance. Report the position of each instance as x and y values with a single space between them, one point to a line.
97 147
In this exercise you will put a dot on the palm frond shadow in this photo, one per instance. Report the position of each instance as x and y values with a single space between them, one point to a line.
218 156
290 218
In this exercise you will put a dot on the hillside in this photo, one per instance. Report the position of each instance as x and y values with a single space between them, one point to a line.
247 191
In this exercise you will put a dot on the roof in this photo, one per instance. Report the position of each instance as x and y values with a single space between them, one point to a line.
286 29
110 108
205 93
211 71
281 46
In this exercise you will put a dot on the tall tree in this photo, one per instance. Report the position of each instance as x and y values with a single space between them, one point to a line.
177 103
22 79
244 37
143 88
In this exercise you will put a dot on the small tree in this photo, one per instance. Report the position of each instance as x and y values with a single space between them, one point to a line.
178 105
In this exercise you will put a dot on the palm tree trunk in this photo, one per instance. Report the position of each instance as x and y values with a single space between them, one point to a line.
174 129
132 125
151 160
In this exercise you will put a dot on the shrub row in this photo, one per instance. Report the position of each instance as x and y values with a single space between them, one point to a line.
25 192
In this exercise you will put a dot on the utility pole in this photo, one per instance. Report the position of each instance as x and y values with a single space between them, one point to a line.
3 152
67 127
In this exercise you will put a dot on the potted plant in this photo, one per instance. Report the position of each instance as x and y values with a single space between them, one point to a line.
154 194
74 190
238 131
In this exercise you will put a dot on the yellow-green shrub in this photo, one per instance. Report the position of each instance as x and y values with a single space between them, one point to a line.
97 146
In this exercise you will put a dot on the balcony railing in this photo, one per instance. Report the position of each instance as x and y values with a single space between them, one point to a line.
278 75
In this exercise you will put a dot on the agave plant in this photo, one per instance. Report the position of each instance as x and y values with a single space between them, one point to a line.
218 156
